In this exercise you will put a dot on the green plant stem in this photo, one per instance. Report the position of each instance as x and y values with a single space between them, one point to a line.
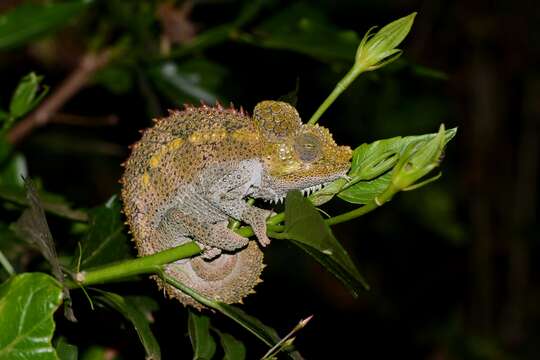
343 84
235 224
372 205
142 265
247 231
6 264
276 219
177 284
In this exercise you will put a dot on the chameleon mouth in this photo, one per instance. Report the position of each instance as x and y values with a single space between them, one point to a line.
305 192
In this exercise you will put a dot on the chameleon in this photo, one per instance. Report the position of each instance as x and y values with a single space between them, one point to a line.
191 172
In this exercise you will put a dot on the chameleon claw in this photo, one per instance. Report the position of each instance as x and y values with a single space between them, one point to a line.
210 253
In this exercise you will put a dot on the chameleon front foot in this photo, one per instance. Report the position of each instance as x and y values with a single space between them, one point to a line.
220 236
209 253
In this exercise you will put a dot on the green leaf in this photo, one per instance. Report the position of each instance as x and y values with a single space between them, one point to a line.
105 241
193 80
328 192
13 171
204 345
233 348
380 157
26 95
29 21
419 139
27 304
131 311
304 225
65 350
303 28
145 304
265 333
365 191
372 160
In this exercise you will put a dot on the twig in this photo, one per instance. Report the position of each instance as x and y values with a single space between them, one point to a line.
142 265
287 340
89 121
88 65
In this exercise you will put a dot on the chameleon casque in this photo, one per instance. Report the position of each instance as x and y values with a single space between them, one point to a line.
191 172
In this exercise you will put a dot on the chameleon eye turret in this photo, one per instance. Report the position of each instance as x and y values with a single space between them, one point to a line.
276 120
191 172
308 147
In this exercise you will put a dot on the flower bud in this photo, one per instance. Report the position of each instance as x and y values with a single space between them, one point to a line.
418 160
379 49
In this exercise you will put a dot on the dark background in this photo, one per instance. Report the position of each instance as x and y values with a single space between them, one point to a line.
452 266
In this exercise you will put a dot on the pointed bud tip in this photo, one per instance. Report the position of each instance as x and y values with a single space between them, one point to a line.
305 321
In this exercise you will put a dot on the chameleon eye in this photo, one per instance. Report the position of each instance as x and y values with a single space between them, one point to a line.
308 147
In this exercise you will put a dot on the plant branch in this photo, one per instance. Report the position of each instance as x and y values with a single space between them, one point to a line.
88 65
87 121
286 340
142 265
370 206
343 84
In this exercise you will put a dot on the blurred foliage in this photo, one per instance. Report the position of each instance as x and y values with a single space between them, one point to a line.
138 311
417 253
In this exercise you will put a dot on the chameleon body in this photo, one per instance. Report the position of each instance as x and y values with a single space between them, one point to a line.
191 172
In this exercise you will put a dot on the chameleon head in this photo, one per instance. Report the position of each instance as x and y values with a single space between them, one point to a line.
296 156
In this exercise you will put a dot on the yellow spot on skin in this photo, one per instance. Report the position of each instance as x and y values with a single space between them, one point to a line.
195 138
208 136
146 179
218 134
245 135
154 160
175 144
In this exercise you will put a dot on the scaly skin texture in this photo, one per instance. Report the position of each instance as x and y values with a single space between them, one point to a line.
191 172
